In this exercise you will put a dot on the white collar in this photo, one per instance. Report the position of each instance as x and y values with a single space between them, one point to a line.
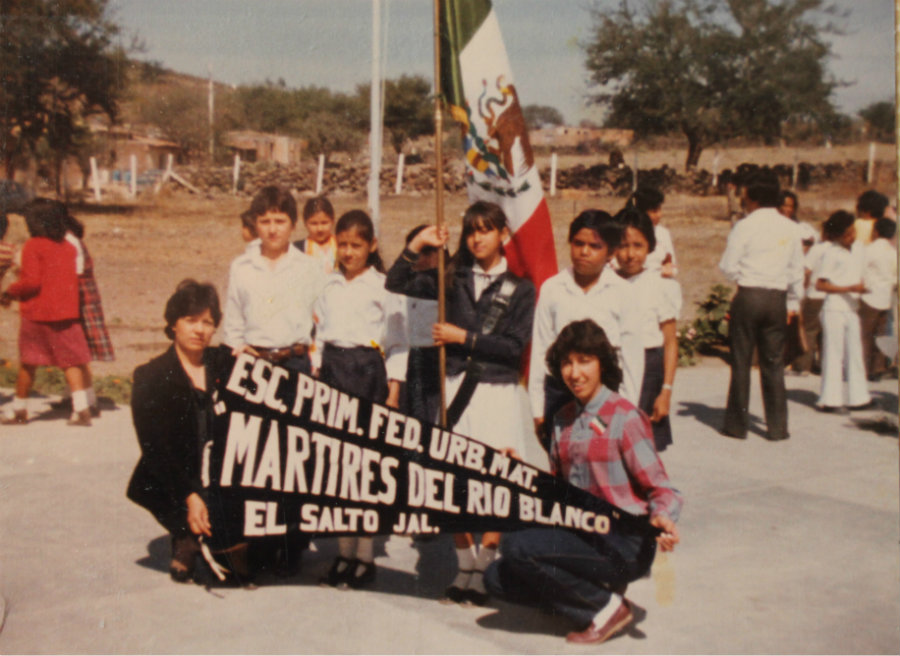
499 268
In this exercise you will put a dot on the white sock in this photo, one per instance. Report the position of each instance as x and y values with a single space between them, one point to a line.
19 403
92 397
601 618
347 548
486 556
465 557
79 400
365 550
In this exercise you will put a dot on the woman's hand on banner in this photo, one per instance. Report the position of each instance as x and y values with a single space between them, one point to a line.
198 515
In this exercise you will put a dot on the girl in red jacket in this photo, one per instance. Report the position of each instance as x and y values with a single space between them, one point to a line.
50 332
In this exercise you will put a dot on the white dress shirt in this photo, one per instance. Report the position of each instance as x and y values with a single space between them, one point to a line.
764 250
664 248
812 262
561 302
656 300
361 312
843 267
270 303
879 273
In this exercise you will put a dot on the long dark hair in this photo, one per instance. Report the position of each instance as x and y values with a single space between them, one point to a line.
586 337
479 215
46 218
631 217
360 221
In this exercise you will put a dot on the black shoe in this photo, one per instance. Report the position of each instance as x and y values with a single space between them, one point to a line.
833 409
777 438
338 575
728 433
361 574
185 549
474 598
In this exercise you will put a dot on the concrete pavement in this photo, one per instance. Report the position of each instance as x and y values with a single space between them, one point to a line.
788 547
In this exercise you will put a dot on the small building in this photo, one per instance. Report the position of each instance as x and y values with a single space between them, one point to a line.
119 143
567 136
263 147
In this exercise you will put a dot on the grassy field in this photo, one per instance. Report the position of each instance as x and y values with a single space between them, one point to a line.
142 249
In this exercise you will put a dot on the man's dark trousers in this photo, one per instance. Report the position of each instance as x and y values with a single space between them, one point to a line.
758 319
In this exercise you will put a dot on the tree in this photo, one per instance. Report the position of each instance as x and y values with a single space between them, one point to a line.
182 113
712 69
57 64
881 118
326 133
408 108
539 116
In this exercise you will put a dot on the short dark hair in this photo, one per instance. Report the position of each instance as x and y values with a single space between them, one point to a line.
274 198
763 187
885 227
248 220
190 299
316 205
362 223
46 218
872 203
601 223
633 218
784 194
837 224
586 337
647 198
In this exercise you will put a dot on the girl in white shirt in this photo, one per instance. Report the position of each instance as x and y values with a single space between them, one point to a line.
841 278
359 348
661 259
658 302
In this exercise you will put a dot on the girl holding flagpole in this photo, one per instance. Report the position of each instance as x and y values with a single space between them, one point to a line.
488 325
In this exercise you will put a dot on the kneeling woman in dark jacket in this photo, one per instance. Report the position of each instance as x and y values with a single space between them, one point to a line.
172 410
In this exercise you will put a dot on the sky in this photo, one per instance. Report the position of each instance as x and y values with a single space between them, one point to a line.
329 43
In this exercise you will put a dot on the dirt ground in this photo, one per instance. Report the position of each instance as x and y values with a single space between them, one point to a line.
143 248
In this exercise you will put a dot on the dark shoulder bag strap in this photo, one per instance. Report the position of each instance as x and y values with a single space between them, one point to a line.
475 368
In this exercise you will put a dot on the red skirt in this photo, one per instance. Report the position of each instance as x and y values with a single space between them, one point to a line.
53 343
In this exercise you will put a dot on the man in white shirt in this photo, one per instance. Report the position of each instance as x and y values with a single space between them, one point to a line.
765 258
880 277
272 288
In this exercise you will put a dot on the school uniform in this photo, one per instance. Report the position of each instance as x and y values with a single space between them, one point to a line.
497 413
656 300
325 254
563 301
270 306
359 342
90 305
841 341
880 276
663 253
765 258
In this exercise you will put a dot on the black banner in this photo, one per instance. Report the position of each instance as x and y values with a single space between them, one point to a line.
291 453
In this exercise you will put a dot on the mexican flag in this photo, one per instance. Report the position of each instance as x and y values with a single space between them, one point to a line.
477 84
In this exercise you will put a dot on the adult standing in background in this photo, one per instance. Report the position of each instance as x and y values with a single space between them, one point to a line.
764 257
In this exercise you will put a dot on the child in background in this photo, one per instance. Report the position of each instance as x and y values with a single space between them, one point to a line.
420 395
649 200
870 206
318 217
810 312
248 229
588 289
489 318
657 301
50 333
840 276
359 349
91 309
880 278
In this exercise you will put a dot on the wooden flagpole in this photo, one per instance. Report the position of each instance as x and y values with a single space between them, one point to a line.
439 200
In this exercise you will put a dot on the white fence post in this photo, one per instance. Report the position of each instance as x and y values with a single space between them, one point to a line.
320 175
133 176
795 171
634 172
553 165
401 160
715 178
870 172
95 178
236 174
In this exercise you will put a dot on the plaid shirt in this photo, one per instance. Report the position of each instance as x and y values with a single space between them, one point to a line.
606 448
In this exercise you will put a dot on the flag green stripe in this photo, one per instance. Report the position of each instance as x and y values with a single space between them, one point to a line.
459 20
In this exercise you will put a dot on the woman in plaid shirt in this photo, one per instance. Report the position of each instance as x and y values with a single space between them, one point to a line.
602 444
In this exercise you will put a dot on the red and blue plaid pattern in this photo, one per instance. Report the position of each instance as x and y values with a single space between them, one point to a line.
92 313
607 448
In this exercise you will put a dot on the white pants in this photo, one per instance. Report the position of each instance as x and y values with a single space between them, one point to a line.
842 349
